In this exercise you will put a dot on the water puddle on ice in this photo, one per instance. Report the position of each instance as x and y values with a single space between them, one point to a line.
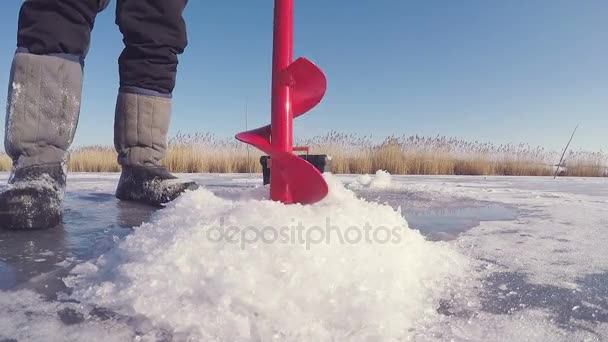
438 218
445 218
445 224
92 223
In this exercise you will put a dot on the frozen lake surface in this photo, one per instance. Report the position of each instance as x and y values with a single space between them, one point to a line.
383 258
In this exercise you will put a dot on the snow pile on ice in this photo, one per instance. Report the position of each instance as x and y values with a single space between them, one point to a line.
382 180
209 268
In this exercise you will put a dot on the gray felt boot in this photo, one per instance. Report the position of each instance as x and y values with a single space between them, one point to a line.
42 114
33 198
140 137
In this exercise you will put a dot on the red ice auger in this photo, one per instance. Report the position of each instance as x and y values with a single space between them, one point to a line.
297 87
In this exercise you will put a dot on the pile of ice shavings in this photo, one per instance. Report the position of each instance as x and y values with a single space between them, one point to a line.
381 180
277 272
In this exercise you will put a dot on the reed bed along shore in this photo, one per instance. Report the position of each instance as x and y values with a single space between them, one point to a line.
412 155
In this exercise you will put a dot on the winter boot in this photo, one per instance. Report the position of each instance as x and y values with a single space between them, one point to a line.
140 137
152 185
42 113
33 197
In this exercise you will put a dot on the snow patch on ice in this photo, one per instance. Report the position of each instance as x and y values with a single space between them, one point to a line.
260 280
381 180
528 325
251 180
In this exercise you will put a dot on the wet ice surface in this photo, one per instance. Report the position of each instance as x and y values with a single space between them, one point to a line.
439 220
538 272
93 220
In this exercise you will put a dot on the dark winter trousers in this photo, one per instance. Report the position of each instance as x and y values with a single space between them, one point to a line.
154 34
45 85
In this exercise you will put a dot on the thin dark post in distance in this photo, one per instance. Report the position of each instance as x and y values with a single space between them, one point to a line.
564 153
246 129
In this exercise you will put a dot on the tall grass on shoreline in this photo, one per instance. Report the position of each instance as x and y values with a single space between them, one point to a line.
416 155
413 155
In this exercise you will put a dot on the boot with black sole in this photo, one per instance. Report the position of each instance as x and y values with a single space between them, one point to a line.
33 198
150 185
140 136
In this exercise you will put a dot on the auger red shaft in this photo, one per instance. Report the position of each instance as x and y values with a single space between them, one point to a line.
297 87
281 107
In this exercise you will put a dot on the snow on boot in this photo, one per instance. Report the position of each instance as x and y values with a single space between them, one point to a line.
42 109
42 114
152 185
140 137
33 197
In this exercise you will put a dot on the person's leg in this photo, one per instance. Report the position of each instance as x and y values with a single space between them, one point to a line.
43 106
154 35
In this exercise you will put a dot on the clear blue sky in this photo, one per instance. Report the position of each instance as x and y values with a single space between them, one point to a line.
503 71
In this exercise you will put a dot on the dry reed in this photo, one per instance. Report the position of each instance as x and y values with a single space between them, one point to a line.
360 154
